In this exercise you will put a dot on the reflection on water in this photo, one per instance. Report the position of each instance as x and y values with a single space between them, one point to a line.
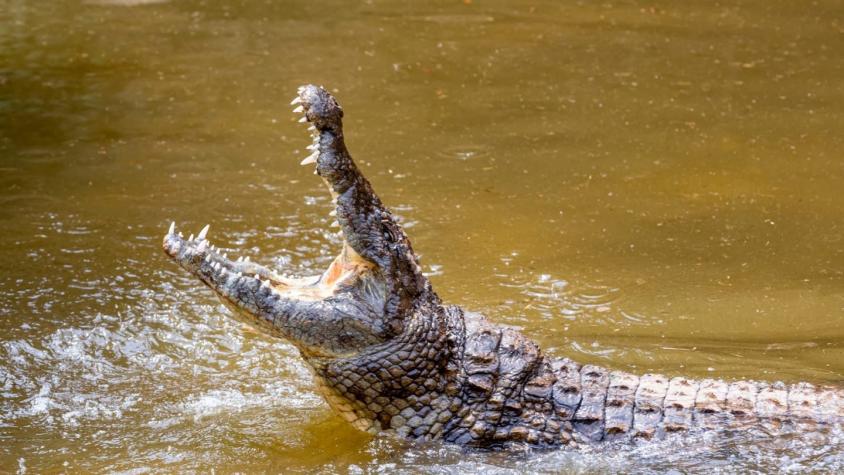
647 186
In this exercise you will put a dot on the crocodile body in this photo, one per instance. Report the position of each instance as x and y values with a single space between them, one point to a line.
389 355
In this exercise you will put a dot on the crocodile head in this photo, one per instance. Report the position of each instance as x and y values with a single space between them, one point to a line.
364 296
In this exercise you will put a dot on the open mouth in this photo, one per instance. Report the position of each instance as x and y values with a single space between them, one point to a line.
231 279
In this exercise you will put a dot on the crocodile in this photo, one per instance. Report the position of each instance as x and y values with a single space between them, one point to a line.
388 355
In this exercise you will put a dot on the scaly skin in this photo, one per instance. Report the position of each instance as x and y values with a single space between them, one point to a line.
388 355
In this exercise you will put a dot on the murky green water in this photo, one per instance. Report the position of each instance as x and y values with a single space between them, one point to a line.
652 186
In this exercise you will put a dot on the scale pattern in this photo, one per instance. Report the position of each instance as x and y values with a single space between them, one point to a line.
460 378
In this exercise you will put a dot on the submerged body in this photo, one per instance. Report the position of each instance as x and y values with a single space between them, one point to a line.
388 355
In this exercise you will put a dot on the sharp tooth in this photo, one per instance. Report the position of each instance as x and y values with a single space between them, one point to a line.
303 119
223 272
296 100
203 233
240 274
213 247
313 146
240 259
335 224
190 238
310 159
172 228
180 235
208 258
265 284
299 109
202 245
225 255
333 212
246 259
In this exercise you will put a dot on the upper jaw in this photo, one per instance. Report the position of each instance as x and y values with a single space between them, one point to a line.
319 107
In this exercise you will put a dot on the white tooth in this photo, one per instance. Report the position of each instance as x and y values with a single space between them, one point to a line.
180 235
203 233
299 109
223 272
312 128
296 100
240 274
225 255
310 159
303 119
313 146
333 212
335 224
190 238
202 245
246 259
265 284
172 228
213 247
207 257
240 259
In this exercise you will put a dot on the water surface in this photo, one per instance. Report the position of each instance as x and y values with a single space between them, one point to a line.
646 185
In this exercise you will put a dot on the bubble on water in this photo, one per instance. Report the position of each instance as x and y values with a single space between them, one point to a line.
215 401
40 403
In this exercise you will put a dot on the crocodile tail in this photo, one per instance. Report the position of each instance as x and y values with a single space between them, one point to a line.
609 405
